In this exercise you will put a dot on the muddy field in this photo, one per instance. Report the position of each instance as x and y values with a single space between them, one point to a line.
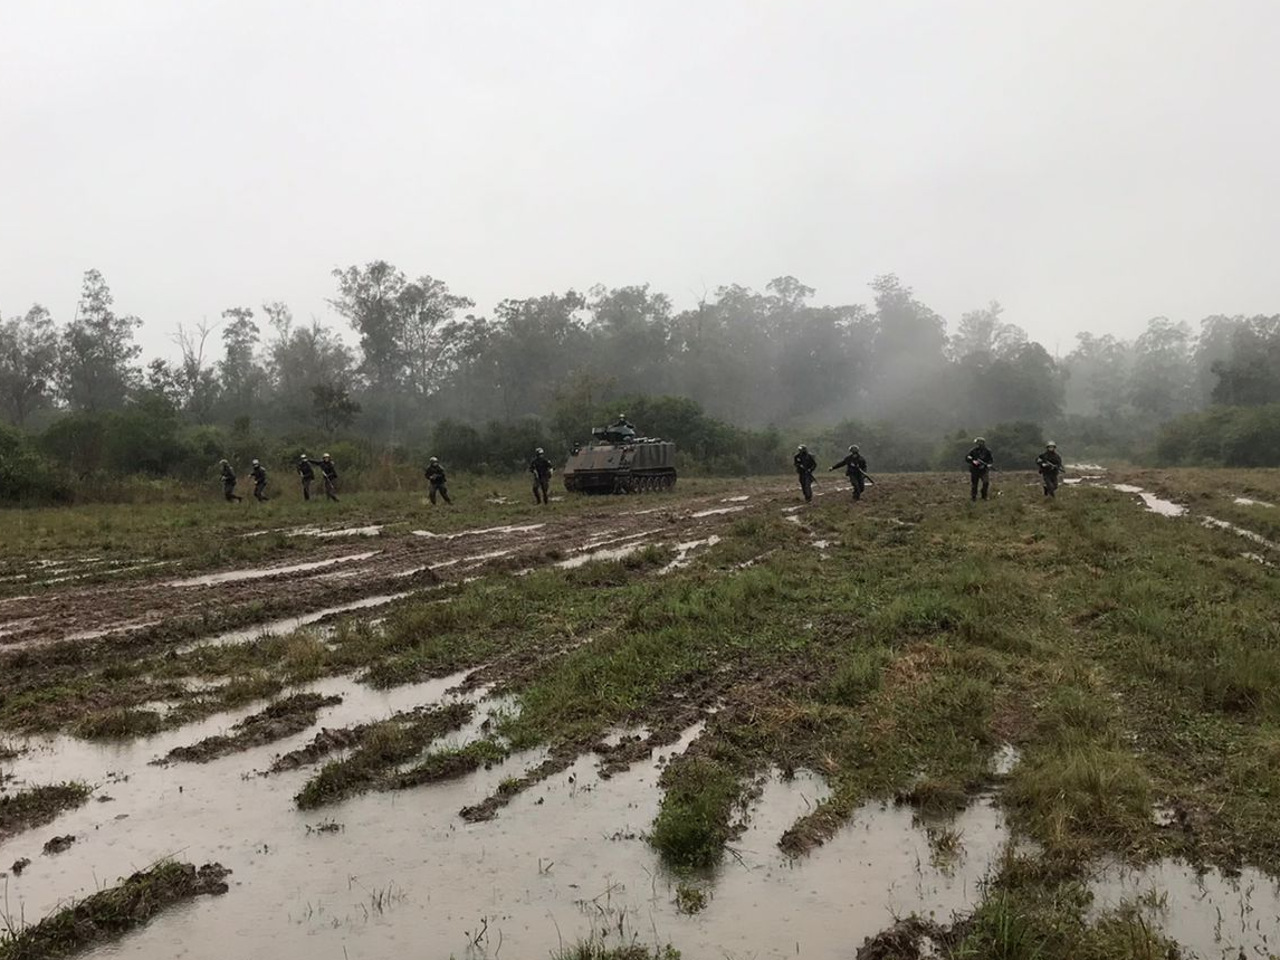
719 719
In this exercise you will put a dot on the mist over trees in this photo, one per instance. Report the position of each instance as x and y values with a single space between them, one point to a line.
735 378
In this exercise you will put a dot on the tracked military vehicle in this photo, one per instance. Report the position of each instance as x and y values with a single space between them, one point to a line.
617 460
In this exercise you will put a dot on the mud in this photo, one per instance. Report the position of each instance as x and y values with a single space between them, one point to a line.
103 618
37 806
379 751
110 913
281 719
58 845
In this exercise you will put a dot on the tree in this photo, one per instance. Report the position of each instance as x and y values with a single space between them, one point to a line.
332 407
199 387
1163 383
28 362
1098 376
1250 376
302 358
242 377
982 332
399 321
908 357
532 341
96 353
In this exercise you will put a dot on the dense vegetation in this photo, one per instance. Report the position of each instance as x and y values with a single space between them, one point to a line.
724 379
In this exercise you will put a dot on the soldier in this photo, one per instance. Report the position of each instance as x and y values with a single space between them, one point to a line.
229 482
805 465
259 482
540 467
436 478
855 467
1050 465
306 475
330 474
979 460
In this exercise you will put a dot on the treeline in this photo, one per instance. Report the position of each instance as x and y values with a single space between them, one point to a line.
726 378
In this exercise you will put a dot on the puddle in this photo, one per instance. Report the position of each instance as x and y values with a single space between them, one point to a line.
792 518
712 512
684 549
742 499
109 631
1086 466
798 506
609 540
1257 558
526 528
233 576
1166 508
1247 502
370 531
614 553
821 544
564 858
1084 479
290 624
1217 917
1249 535
1005 759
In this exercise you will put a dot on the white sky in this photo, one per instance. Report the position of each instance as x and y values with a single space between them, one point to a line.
1088 163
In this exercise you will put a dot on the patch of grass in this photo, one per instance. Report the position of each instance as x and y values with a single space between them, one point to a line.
120 724
37 806
693 824
113 912
596 949
383 748
449 764
278 720
690 899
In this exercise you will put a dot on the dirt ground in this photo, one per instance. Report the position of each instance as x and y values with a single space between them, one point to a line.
770 729
346 565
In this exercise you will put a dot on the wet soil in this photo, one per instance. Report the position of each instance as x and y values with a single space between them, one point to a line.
37 806
164 608
281 719
112 912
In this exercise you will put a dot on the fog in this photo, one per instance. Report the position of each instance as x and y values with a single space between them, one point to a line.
1089 165
236 227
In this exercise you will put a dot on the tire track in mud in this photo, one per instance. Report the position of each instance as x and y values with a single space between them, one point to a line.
169 607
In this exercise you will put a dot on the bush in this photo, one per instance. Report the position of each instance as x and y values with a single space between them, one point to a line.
25 475
1222 436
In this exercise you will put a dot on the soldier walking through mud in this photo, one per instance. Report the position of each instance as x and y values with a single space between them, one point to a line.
229 483
437 483
979 460
330 474
1050 466
855 468
259 482
306 475
805 465
540 467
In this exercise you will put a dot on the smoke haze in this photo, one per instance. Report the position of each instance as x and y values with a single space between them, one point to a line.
1090 165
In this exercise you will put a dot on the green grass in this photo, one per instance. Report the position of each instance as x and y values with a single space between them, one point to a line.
37 806
112 912
383 748
1133 661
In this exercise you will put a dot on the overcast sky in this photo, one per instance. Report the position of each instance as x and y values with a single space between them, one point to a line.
1088 163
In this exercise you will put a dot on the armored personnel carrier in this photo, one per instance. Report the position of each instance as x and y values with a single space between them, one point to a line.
617 460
